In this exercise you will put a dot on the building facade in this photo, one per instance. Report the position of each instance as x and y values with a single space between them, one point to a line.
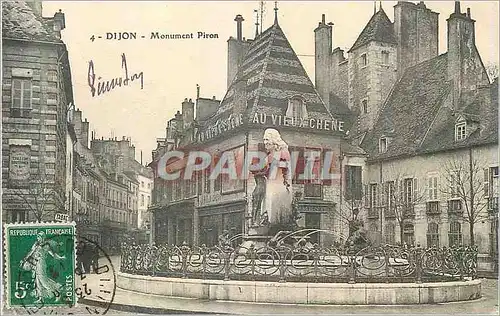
37 91
269 89
428 123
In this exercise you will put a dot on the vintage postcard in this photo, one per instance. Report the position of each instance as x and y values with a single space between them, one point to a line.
250 157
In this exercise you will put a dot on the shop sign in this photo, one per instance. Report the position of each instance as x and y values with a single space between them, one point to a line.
311 123
61 217
222 125
19 163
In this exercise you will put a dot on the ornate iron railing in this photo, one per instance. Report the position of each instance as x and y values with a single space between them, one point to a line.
381 264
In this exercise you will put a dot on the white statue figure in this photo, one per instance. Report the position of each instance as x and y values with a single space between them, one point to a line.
36 262
278 195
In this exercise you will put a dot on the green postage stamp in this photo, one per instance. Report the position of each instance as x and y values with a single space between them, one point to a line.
40 264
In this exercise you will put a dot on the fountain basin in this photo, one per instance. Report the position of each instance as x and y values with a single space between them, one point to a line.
302 292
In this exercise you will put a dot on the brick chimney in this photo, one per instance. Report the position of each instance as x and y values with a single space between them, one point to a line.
417 31
36 6
322 58
236 49
187 112
59 21
465 67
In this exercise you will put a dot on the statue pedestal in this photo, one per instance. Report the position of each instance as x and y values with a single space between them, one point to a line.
257 237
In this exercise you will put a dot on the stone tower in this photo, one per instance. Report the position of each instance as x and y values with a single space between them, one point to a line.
372 66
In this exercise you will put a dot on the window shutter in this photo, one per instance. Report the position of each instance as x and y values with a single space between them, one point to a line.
486 183
367 196
348 182
416 194
401 188
384 194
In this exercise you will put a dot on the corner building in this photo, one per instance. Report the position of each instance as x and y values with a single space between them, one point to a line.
270 89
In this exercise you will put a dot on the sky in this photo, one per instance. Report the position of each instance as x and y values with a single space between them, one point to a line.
171 68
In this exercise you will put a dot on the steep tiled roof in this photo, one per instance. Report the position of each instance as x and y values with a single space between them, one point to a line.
481 112
19 22
418 116
410 109
340 110
379 29
271 73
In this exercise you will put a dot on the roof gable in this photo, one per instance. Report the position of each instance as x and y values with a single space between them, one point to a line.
20 22
379 29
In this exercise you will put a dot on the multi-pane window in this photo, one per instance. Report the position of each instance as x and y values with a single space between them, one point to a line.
432 235
21 96
353 182
142 199
455 182
199 180
491 188
460 131
409 234
407 191
218 183
373 195
296 108
389 233
432 187
364 60
455 234
207 181
390 199
382 145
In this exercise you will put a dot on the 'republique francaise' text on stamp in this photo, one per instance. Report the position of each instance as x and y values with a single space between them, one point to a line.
40 264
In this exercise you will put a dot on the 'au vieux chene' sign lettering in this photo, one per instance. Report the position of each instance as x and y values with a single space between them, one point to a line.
283 120
235 120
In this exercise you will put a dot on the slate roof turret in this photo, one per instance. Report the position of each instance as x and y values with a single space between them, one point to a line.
379 29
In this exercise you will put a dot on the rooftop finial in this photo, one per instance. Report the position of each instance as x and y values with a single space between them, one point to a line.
457 7
275 12
374 6
380 5
262 10
256 23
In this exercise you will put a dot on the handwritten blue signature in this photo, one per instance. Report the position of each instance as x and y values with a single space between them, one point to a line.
107 86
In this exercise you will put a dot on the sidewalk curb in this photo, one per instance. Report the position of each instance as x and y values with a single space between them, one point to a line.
142 309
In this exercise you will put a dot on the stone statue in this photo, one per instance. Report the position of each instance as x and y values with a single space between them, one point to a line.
278 197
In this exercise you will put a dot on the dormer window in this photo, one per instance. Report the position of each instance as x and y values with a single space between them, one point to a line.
297 107
364 105
364 60
382 145
385 57
460 131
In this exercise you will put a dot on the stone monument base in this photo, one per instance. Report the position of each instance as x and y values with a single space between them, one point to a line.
257 237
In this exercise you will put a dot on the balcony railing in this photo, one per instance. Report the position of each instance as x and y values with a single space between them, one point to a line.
312 190
373 212
432 208
493 204
389 212
408 211
455 207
